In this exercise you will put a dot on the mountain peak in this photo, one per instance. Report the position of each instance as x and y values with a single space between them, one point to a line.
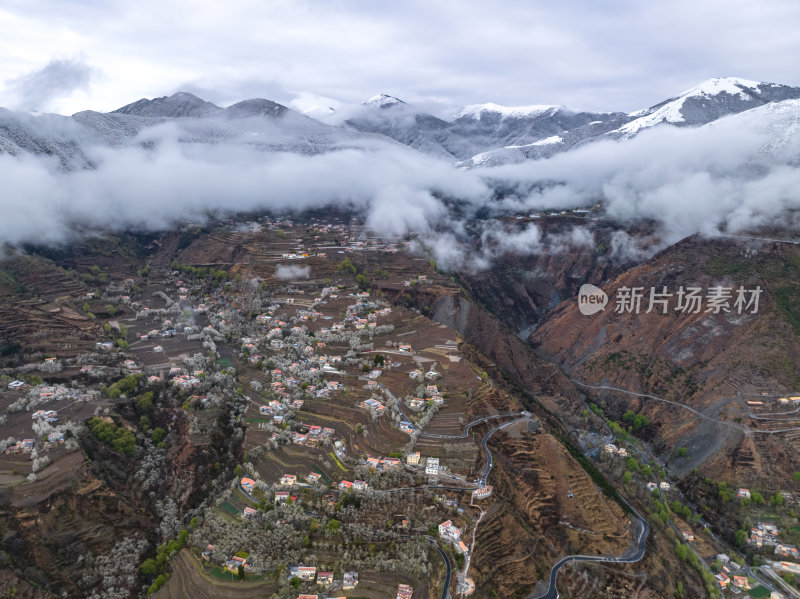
475 111
707 101
180 104
256 107
383 101
719 85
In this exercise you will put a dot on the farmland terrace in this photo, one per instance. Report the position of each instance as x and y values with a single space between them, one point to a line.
197 412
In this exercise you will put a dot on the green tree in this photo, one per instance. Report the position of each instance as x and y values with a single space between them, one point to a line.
347 265
741 537
682 551
158 435
333 526
119 438
682 452
157 584
149 568
626 478
144 402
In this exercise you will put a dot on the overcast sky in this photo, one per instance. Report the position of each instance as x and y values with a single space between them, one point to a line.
69 55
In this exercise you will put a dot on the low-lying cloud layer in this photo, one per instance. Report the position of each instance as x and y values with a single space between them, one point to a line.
162 178
738 173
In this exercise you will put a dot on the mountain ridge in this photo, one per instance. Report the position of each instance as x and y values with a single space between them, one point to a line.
478 135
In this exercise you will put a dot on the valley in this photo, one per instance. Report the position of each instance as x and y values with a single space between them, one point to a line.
249 353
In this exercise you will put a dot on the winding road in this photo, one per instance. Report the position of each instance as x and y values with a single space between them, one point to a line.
552 591
732 425
661 399
489 459
476 423
449 574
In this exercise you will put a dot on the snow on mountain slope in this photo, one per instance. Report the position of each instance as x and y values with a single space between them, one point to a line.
706 102
78 142
114 128
181 104
47 135
492 127
777 122
383 101
481 135
407 124
542 148
729 85
489 109
256 107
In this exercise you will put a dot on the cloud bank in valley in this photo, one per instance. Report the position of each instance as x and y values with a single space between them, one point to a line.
161 178
738 173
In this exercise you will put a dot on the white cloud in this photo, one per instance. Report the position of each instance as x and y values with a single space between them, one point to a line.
59 78
174 181
739 172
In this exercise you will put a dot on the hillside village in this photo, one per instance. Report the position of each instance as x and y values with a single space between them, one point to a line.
356 454
332 388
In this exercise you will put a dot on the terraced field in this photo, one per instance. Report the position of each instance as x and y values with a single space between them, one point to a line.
191 579
539 523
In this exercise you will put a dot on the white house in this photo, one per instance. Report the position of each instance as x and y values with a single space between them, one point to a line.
449 532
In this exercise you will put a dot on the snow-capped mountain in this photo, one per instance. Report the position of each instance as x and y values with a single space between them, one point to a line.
394 118
696 106
77 141
491 126
475 136
706 102
492 111
476 129
256 107
181 104
383 101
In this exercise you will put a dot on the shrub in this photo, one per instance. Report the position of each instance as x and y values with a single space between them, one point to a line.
119 438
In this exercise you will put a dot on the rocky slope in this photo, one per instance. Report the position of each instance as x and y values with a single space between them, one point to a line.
711 362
